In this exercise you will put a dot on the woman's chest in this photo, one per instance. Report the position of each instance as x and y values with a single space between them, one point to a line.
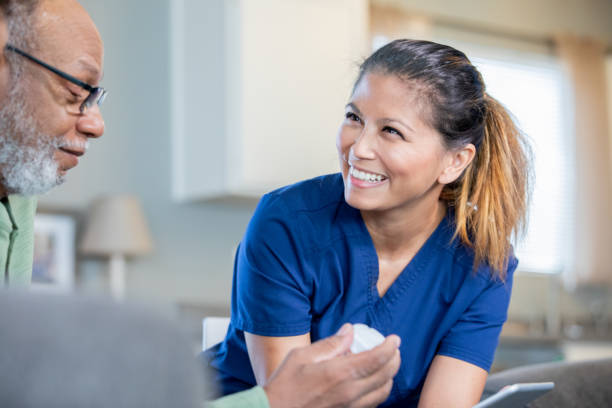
346 287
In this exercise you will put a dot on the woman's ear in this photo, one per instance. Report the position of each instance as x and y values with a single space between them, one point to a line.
455 162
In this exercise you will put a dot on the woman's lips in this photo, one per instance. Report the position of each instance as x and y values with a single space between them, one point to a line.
365 179
365 184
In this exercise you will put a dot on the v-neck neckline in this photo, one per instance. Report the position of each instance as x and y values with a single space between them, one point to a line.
409 273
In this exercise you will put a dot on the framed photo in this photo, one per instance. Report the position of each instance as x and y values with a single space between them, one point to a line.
54 252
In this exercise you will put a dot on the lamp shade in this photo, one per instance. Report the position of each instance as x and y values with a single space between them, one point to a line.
116 226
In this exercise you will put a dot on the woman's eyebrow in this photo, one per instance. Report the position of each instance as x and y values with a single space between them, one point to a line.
389 120
382 120
353 107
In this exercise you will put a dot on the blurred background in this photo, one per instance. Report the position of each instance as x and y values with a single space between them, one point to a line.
213 102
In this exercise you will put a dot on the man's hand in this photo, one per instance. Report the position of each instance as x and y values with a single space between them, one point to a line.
325 374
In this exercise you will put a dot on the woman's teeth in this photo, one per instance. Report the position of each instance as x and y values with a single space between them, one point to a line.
369 177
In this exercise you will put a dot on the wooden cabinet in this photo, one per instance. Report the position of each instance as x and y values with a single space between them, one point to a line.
258 89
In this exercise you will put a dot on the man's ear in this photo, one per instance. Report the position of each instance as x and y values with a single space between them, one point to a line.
455 162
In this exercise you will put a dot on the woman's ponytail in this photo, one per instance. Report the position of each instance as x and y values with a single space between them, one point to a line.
492 197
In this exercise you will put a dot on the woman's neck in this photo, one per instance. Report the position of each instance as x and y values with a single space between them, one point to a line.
402 231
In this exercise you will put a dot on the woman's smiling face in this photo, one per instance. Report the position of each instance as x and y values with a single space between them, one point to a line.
390 157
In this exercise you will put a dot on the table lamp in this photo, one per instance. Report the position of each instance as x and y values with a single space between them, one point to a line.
116 228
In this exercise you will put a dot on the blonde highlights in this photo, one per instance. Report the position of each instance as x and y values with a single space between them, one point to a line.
492 197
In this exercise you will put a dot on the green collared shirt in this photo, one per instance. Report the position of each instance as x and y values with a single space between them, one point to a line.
253 398
17 239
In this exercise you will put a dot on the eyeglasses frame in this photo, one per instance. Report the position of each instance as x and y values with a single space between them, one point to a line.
91 98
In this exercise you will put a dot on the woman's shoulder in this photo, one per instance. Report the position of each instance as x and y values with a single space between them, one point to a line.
308 212
310 195
463 256
485 272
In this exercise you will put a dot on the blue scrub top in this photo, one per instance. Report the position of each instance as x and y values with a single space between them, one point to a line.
307 264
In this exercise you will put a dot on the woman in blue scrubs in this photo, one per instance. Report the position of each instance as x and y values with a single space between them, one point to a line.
411 238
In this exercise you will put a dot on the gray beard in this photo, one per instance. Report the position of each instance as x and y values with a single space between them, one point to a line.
27 166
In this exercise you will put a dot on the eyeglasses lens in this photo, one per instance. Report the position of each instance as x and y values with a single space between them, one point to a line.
97 96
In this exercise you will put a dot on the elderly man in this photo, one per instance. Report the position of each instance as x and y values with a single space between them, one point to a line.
49 96
49 112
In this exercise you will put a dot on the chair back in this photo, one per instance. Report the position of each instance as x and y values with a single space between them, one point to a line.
73 351
214 330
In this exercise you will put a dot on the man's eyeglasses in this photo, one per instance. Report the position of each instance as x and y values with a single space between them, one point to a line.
96 94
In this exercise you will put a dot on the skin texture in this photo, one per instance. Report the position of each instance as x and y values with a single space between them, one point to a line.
66 38
385 132
267 353
325 374
4 71
452 383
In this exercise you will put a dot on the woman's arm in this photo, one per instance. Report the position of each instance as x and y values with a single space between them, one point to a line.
266 353
452 383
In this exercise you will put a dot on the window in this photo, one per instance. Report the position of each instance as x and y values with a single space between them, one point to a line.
532 91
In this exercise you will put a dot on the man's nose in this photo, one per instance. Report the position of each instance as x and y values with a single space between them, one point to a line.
91 123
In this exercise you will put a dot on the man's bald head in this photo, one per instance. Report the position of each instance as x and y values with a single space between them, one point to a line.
66 35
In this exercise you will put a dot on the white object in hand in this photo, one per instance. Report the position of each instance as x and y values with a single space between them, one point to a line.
365 338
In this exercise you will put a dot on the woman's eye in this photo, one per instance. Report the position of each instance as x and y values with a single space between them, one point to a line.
392 131
352 117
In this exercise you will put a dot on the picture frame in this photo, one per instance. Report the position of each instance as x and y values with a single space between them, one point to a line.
53 268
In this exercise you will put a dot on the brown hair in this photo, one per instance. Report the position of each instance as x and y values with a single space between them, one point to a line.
491 196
